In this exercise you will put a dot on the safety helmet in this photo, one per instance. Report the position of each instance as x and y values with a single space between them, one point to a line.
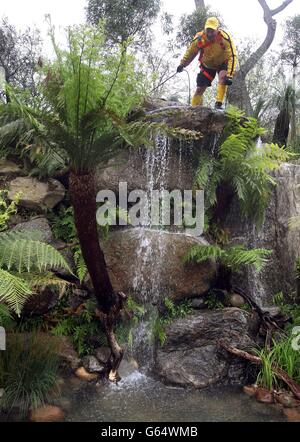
212 23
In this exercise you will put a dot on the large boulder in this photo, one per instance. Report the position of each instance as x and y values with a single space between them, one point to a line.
279 274
191 355
149 263
36 194
171 164
8 167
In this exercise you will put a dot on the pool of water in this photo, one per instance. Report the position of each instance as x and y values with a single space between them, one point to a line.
140 398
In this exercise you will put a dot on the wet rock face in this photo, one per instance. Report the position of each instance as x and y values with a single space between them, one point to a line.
275 234
157 258
191 355
131 166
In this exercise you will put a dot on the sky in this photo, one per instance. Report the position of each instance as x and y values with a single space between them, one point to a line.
243 17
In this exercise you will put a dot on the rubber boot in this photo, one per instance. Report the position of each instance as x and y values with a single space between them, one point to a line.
221 93
197 100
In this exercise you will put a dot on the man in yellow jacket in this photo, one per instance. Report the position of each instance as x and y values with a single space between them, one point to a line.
217 54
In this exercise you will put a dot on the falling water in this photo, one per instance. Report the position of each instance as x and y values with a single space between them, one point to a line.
157 169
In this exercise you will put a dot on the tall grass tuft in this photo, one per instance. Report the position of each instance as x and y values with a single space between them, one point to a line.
28 372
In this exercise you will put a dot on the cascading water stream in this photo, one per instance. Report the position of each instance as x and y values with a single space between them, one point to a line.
157 170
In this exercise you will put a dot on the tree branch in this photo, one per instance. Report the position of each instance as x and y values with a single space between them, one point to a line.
272 25
281 374
281 7
199 4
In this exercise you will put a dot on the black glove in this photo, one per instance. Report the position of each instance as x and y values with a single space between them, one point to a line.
228 81
180 68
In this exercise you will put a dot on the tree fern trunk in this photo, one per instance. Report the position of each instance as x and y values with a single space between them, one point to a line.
83 196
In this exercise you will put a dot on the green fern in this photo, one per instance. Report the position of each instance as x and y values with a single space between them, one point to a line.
20 260
234 257
14 291
81 268
243 165
27 255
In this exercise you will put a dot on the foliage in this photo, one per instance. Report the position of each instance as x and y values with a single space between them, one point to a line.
192 23
6 319
19 53
86 96
212 302
28 372
85 329
173 311
233 257
291 44
281 355
124 19
289 306
24 261
243 165
81 326
7 208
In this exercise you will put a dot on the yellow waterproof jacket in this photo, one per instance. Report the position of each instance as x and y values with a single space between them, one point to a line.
213 54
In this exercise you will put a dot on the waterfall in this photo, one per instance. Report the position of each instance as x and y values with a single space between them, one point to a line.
157 169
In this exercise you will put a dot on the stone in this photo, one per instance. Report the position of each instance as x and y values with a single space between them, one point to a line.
82 374
41 302
47 413
77 297
292 414
103 354
275 234
192 356
66 352
250 390
35 194
92 365
39 224
130 166
236 300
287 399
63 403
264 396
198 303
177 280
8 167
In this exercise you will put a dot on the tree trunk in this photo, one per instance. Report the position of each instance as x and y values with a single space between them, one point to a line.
238 94
200 4
282 127
83 196
293 119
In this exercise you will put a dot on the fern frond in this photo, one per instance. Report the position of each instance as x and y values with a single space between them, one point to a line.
233 257
14 291
201 254
28 255
238 256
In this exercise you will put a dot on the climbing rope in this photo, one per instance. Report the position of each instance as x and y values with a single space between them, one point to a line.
172 76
